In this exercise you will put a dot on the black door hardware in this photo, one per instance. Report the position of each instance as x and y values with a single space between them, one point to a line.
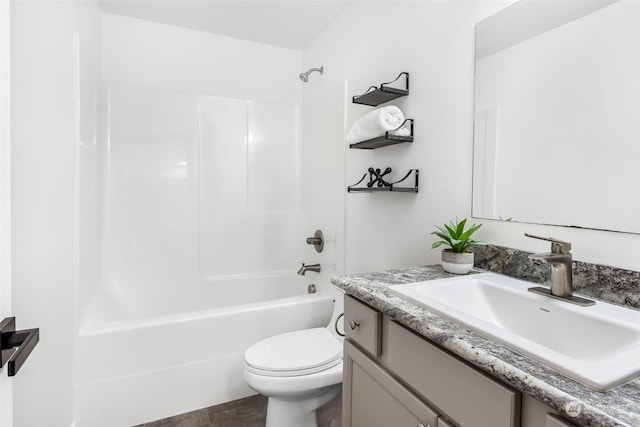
16 346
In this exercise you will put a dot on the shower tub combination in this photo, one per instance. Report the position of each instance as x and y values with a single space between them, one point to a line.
190 213
162 356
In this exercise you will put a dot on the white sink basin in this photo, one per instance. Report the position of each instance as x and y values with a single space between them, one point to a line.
598 346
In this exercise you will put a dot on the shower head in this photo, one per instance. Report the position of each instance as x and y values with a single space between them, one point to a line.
305 76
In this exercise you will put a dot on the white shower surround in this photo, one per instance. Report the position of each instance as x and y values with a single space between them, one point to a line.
197 187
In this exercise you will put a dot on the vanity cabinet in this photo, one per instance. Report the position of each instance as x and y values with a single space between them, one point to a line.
394 377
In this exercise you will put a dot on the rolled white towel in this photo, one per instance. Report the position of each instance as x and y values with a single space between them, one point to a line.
375 123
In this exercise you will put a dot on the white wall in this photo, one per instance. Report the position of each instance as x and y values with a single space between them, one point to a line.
371 43
149 54
6 390
433 41
323 165
52 63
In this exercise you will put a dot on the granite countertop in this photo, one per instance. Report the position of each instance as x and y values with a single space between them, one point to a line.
581 404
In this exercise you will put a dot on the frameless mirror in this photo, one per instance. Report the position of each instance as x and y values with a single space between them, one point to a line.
557 114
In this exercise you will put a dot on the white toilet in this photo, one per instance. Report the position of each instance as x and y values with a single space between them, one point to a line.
298 371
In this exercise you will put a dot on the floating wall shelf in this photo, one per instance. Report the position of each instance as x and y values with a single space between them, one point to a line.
375 96
387 139
377 182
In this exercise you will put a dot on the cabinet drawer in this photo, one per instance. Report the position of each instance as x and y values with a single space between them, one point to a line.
468 396
363 325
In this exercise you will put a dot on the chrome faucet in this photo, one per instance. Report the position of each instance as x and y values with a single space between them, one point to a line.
305 268
561 262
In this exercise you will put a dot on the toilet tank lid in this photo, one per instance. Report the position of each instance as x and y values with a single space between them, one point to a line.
298 350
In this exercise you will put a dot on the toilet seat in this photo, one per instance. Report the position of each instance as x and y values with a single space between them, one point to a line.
294 354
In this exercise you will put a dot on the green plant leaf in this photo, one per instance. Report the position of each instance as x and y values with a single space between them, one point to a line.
439 243
460 228
467 234
443 236
456 237
441 230
451 230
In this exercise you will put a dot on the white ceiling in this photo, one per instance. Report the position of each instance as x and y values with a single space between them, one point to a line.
291 23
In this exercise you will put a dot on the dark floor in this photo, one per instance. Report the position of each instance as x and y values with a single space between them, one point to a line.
248 412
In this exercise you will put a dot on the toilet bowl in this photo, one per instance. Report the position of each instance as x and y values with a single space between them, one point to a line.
298 371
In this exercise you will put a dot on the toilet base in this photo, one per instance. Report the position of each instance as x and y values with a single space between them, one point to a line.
282 412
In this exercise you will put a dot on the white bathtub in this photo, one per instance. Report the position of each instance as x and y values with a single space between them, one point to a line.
141 358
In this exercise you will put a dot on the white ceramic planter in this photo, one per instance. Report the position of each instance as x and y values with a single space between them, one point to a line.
457 263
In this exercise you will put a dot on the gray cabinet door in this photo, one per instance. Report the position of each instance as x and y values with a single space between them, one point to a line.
555 421
372 398
468 396
444 423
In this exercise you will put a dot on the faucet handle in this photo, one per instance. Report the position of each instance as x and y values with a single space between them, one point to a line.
317 241
557 246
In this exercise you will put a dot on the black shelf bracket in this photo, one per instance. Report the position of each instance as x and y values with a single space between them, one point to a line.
377 182
16 346
375 95
387 139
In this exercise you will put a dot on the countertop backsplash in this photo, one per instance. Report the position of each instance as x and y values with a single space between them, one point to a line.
610 284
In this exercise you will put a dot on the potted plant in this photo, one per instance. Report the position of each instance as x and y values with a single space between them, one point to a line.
457 258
